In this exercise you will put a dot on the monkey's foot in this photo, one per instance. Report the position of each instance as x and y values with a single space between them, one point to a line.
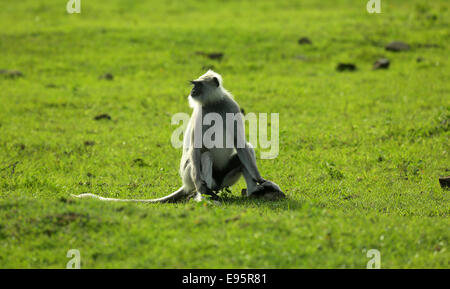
197 197
266 191
213 195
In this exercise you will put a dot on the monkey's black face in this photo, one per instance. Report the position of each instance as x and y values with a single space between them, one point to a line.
197 89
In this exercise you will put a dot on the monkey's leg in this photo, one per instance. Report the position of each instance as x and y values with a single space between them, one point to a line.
231 174
265 189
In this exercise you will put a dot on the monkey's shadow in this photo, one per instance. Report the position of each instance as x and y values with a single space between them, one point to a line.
281 204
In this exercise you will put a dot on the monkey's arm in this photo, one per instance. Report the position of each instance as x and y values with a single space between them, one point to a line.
195 154
247 157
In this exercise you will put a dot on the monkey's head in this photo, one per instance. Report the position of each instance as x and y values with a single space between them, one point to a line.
207 88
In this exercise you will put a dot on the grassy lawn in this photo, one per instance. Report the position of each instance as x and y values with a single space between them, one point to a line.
360 151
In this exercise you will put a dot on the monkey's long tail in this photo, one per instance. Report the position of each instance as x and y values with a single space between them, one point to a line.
172 198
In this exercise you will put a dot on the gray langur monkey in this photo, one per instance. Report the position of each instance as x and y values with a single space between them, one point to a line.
205 170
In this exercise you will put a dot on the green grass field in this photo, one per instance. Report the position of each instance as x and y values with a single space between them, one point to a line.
360 151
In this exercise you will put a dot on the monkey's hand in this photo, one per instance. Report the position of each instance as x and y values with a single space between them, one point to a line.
260 181
267 190
203 189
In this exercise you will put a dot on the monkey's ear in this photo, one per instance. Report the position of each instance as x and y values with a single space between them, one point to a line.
216 81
